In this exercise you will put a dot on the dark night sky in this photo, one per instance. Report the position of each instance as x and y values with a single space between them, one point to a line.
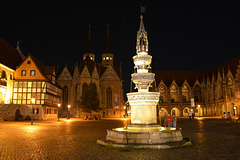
182 36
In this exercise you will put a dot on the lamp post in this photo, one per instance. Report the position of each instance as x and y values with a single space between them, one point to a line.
124 111
199 110
69 106
58 110
33 101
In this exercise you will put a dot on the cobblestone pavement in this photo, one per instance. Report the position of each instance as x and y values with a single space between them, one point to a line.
76 139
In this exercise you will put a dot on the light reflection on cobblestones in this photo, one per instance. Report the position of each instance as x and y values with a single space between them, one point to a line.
76 139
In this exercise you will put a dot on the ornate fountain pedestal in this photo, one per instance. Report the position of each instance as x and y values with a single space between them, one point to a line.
143 107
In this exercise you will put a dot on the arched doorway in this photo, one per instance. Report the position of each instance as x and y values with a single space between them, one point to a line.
186 111
233 110
164 110
18 115
199 112
175 111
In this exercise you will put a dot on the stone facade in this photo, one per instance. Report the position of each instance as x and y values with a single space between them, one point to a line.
214 92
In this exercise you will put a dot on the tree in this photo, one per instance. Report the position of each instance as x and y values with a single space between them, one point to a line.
90 98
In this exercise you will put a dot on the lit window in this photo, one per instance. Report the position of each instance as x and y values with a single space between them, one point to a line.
32 73
91 58
107 58
23 73
103 58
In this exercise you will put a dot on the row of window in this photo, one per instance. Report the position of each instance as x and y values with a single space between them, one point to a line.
24 73
47 111
23 91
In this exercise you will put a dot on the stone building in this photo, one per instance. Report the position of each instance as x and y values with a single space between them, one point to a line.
105 76
9 60
213 92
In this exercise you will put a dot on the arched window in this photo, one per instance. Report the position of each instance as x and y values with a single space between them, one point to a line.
3 80
163 93
230 87
174 93
109 98
65 96
197 93
76 94
84 88
185 93
220 88
3 76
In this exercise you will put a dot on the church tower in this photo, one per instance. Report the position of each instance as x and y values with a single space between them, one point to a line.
107 56
89 49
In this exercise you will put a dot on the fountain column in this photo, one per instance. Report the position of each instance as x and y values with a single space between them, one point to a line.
143 103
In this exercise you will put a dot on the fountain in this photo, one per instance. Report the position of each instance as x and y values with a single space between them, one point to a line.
143 130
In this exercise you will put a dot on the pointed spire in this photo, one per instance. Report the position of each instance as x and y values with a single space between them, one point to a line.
19 50
107 48
120 70
142 40
141 26
89 48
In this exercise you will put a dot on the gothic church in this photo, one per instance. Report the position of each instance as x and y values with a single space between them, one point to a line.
105 76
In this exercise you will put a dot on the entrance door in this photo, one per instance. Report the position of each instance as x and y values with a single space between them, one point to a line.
18 116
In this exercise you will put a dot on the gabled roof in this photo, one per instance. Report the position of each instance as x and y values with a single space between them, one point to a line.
231 65
44 70
192 76
9 55
179 77
89 63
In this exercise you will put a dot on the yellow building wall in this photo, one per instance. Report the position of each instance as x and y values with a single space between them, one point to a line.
28 68
6 91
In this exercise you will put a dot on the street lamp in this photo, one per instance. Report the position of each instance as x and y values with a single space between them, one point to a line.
58 110
124 111
69 106
199 110
33 101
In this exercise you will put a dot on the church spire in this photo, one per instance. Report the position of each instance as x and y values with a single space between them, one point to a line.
142 40
107 56
107 48
89 49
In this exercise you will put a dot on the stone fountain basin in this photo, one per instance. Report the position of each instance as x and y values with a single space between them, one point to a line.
140 134
148 136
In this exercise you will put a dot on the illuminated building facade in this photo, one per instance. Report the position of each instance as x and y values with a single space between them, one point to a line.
35 80
106 78
214 92
9 59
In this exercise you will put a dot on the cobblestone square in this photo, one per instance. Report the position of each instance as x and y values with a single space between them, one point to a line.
76 139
